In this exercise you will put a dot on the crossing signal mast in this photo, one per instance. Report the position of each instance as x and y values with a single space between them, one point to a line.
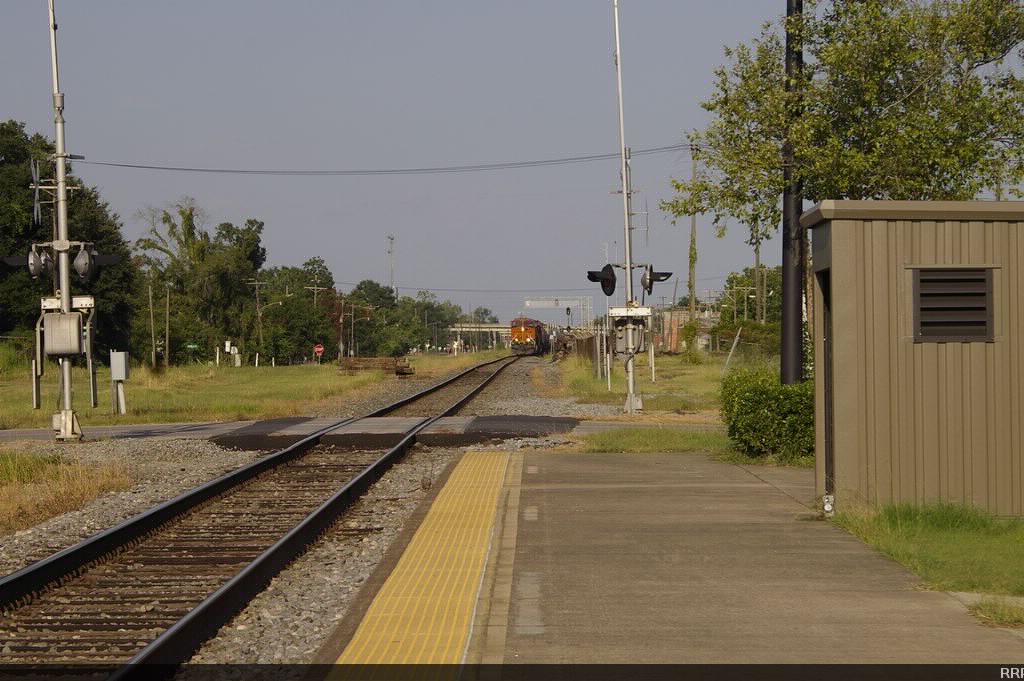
61 331
632 320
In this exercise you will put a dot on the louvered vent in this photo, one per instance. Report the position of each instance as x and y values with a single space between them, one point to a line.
953 305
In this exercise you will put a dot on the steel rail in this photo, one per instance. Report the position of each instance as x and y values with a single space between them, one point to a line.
178 643
67 563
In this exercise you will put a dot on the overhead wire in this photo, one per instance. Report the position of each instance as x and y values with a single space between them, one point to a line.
501 290
370 172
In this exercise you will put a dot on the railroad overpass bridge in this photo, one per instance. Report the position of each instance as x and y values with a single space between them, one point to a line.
494 332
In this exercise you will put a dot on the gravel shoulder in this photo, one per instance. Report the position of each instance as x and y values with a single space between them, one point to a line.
516 392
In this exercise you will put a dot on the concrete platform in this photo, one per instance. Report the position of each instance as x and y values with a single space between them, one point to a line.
674 558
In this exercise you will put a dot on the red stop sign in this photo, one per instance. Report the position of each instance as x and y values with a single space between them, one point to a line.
318 349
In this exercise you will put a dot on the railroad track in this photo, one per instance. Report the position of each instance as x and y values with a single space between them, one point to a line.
153 589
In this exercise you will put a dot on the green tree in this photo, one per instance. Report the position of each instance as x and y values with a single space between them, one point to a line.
209 278
89 219
736 303
739 176
388 327
480 315
900 99
909 101
295 316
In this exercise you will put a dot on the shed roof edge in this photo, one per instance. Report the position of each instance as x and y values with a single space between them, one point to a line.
999 211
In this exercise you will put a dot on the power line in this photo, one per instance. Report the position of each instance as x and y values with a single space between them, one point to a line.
500 290
365 172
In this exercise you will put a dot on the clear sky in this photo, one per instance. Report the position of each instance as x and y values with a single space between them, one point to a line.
316 84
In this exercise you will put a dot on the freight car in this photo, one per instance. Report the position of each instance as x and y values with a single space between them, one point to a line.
529 337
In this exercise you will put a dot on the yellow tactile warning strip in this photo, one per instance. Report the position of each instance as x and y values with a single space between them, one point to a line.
423 612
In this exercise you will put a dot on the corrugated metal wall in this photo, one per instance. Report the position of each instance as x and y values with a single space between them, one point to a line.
925 421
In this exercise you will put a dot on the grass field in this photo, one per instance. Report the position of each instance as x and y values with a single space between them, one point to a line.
648 439
953 548
682 393
34 488
200 393
679 387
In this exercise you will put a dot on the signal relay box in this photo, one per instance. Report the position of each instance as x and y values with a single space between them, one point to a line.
62 333
639 317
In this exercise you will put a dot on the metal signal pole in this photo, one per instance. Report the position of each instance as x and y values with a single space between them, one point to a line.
791 369
68 422
632 401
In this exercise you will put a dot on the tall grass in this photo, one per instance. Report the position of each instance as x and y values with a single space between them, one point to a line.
953 547
34 488
997 612
679 387
14 358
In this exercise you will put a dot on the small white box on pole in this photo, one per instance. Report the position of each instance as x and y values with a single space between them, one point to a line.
118 375
118 365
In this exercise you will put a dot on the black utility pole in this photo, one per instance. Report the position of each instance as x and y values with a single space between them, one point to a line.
792 200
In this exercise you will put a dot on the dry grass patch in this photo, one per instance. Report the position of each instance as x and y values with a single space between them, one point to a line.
998 613
545 384
34 488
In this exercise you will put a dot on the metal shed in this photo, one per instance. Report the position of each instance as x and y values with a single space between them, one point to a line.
919 352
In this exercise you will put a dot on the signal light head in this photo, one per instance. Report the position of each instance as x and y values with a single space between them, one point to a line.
650 276
606 277
83 263
35 265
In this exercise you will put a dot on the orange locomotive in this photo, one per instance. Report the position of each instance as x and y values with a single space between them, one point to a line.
529 337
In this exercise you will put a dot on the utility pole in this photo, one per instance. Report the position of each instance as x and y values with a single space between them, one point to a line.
391 264
791 365
256 283
693 242
633 402
341 330
152 329
167 328
315 288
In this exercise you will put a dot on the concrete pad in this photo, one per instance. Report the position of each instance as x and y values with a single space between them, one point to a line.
381 425
673 558
155 430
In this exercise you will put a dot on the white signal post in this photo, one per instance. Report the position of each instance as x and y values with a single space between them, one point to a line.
633 401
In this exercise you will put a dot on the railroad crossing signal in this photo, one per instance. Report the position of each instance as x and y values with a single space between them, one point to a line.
606 277
650 276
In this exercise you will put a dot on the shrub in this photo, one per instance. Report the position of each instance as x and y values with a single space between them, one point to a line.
765 418
762 339
691 354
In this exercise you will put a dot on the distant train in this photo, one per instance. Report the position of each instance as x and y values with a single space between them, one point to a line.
529 337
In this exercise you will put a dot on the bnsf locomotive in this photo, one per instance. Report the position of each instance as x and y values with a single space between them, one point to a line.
529 337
